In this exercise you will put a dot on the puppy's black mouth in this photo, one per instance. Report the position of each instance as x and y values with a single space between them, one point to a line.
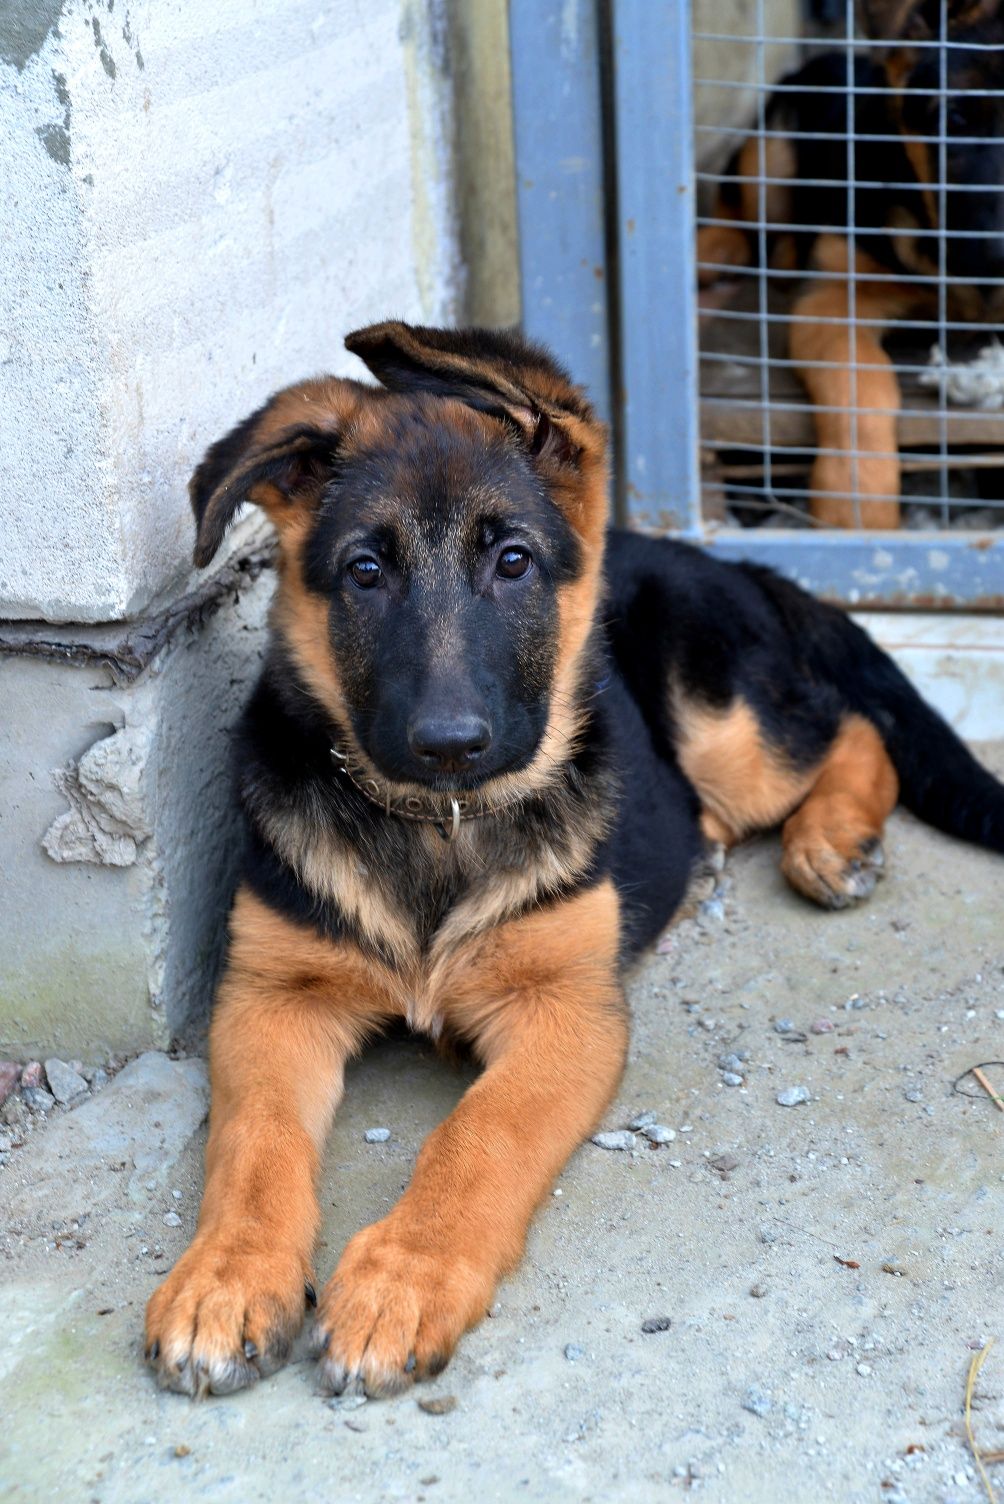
448 782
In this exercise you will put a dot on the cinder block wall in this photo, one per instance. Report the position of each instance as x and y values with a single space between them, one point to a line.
197 203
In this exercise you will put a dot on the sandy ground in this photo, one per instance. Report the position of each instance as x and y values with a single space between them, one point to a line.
836 1279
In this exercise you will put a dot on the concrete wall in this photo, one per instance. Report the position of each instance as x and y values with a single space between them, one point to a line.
119 841
198 201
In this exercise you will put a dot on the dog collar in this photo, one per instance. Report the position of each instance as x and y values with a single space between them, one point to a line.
445 814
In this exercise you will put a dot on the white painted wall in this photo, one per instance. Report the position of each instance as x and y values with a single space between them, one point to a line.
197 202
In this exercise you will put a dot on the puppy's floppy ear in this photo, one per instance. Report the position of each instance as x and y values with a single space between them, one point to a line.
500 373
278 458
485 367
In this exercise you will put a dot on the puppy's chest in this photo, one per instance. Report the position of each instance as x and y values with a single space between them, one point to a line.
416 905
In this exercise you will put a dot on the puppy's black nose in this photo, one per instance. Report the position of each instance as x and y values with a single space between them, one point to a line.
449 743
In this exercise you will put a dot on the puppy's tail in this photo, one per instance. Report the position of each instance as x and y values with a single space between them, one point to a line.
940 780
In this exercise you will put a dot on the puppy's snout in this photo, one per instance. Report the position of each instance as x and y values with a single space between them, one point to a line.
449 742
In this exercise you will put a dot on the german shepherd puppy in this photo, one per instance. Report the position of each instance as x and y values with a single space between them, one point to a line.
487 747
903 99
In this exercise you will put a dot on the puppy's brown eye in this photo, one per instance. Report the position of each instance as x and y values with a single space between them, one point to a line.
365 573
513 563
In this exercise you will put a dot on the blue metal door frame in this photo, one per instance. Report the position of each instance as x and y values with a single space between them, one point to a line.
605 191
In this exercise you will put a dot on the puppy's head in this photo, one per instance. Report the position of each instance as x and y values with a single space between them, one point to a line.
946 80
441 546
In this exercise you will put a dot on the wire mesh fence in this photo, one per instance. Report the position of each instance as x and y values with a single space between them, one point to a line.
851 262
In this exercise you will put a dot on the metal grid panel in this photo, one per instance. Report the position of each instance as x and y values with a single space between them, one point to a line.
759 435
864 200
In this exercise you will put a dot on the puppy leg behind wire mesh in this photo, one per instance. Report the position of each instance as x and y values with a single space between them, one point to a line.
855 391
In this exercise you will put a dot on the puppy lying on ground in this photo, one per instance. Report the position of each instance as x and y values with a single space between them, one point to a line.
487 748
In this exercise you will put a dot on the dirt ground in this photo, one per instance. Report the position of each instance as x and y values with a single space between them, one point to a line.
829 1268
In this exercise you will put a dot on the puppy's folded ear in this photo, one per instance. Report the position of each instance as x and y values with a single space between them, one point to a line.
483 367
279 458
500 373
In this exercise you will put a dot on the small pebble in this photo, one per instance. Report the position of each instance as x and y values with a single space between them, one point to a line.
711 911
792 1096
171 1219
731 1062
376 1135
37 1098
32 1074
99 1078
784 1026
573 1353
658 1133
767 1234
914 1096
864 1369
757 1401
656 1324
822 1026
724 1163
618 1138
758 1291
729 1078
65 1083
356 1425
643 1120
441 1405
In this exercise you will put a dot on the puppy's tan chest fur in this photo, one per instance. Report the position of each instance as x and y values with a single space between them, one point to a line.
485 895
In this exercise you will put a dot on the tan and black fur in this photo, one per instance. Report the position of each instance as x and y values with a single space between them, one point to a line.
453 618
796 177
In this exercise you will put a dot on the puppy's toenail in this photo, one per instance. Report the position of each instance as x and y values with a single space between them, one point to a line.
250 1351
153 1351
409 1367
310 1294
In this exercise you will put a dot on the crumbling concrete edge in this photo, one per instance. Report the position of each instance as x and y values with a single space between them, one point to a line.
129 651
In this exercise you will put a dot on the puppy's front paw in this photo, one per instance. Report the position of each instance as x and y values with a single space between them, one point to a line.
392 1313
225 1316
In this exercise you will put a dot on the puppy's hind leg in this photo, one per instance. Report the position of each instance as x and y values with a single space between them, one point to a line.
833 841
